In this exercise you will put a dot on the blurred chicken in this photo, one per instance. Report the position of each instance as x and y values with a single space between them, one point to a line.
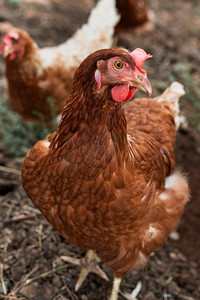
134 13
40 79
105 179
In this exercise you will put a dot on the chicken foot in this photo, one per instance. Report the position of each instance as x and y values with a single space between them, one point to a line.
88 264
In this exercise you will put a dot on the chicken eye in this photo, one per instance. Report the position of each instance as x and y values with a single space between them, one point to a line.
14 41
118 64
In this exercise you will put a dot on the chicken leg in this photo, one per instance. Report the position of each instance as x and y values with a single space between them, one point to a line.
115 288
88 264
127 296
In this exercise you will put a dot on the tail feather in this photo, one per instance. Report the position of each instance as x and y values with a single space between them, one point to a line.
168 209
172 95
176 194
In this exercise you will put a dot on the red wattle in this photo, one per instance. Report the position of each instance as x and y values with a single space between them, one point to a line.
131 94
122 93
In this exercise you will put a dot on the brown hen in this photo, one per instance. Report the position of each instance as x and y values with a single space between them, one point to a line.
105 179
40 79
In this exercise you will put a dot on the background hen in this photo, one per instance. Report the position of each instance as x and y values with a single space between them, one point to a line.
105 179
133 13
40 79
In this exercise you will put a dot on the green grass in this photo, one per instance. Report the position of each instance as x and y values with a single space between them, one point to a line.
14 3
194 30
192 86
18 137
197 10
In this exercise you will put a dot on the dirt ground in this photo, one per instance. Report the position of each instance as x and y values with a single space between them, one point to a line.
30 267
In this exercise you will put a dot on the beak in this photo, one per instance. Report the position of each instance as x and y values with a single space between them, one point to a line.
7 50
139 81
142 83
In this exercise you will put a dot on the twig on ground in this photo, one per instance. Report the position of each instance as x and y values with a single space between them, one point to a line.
28 281
185 297
20 284
134 293
9 297
30 208
2 280
68 290
10 170
8 214
21 218
39 237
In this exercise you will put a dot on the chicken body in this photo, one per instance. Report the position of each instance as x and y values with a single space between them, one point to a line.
105 179
133 13
34 75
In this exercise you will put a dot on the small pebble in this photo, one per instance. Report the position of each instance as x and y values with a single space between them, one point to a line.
149 296
175 236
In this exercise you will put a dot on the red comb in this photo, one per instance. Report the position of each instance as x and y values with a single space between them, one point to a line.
13 35
139 56
10 35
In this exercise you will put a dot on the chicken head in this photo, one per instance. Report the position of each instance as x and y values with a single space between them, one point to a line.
12 45
123 76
